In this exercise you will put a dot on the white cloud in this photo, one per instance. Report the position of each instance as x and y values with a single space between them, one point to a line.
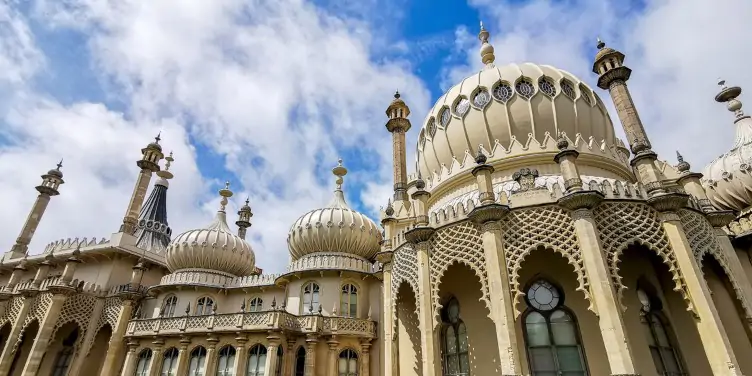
277 88
676 49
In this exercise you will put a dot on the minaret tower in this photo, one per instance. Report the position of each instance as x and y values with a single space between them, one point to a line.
152 230
398 125
613 76
149 163
244 219
50 183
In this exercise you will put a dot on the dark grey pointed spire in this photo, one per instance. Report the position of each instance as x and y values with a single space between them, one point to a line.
152 230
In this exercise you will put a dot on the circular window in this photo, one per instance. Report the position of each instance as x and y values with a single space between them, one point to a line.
543 296
462 106
503 92
568 89
524 88
445 117
547 86
431 127
585 93
481 98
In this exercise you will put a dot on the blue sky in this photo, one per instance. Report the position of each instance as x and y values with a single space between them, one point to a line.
268 94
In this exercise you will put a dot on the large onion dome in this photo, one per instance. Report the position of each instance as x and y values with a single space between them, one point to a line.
728 178
214 248
335 228
516 110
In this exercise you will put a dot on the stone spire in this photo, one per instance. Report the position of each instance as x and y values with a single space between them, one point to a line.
152 231
244 219
730 95
613 76
50 183
149 163
486 49
398 125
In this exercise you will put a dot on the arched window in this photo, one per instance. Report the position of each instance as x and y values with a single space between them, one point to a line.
144 361
348 363
454 341
63 360
196 365
551 333
170 362
348 303
226 361
168 306
278 371
300 361
310 297
204 306
255 305
256 361
665 354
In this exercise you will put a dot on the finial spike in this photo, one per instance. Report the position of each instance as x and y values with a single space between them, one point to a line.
486 49
396 94
481 25
60 164
679 157
601 43
722 83
339 171
158 138
225 193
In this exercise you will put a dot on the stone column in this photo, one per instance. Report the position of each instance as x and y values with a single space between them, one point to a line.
387 315
90 333
129 368
398 125
271 354
332 367
241 355
149 163
184 355
712 334
602 292
365 355
288 358
310 359
114 350
6 358
155 366
211 356
42 340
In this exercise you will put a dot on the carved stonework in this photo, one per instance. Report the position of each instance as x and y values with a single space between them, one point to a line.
405 269
419 234
488 213
720 218
526 178
581 200
669 201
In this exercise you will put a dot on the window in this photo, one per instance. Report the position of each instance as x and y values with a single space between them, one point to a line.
278 371
144 361
503 92
462 106
524 88
204 306
454 341
196 365
348 303
586 95
310 298
256 361
300 362
348 363
568 89
170 362
660 339
547 86
168 306
226 362
63 360
481 98
551 334
431 127
445 117
255 305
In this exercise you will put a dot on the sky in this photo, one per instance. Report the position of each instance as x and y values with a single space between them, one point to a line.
269 94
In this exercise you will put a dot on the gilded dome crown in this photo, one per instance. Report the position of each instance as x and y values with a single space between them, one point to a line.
214 248
334 228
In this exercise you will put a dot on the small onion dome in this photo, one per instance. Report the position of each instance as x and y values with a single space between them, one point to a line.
334 228
214 248
56 171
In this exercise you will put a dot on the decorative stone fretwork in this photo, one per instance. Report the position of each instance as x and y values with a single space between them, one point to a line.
38 308
460 244
702 240
110 312
720 218
624 224
78 308
12 310
405 269
547 227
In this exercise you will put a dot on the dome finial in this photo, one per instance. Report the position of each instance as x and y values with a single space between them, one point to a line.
682 166
60 164
158 138
729 95
339 171
225 193
166 174
396 94
600 44
486 49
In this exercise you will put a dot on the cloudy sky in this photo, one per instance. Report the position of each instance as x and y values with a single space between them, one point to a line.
267 94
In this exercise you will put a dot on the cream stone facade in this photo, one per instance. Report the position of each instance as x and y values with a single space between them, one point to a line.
530 241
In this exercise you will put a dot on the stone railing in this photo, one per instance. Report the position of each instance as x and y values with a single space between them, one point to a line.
254 280
252 321
331 261
45 284
65 244
202 278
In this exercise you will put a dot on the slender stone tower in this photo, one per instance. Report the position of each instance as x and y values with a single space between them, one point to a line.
149 163
50 183
398 125
613 76
244 219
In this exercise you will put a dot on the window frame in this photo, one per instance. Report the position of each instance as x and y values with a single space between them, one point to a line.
259 365
201 356
297 371
173 362
169 304
229 369
144 355
316 302
348 352
445 326
348 304
258 306
202 304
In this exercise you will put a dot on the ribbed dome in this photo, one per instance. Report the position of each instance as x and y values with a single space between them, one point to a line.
334 228
728 178
512 110
214 248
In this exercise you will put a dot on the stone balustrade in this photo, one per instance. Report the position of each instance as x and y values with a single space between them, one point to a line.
252 321
331 261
